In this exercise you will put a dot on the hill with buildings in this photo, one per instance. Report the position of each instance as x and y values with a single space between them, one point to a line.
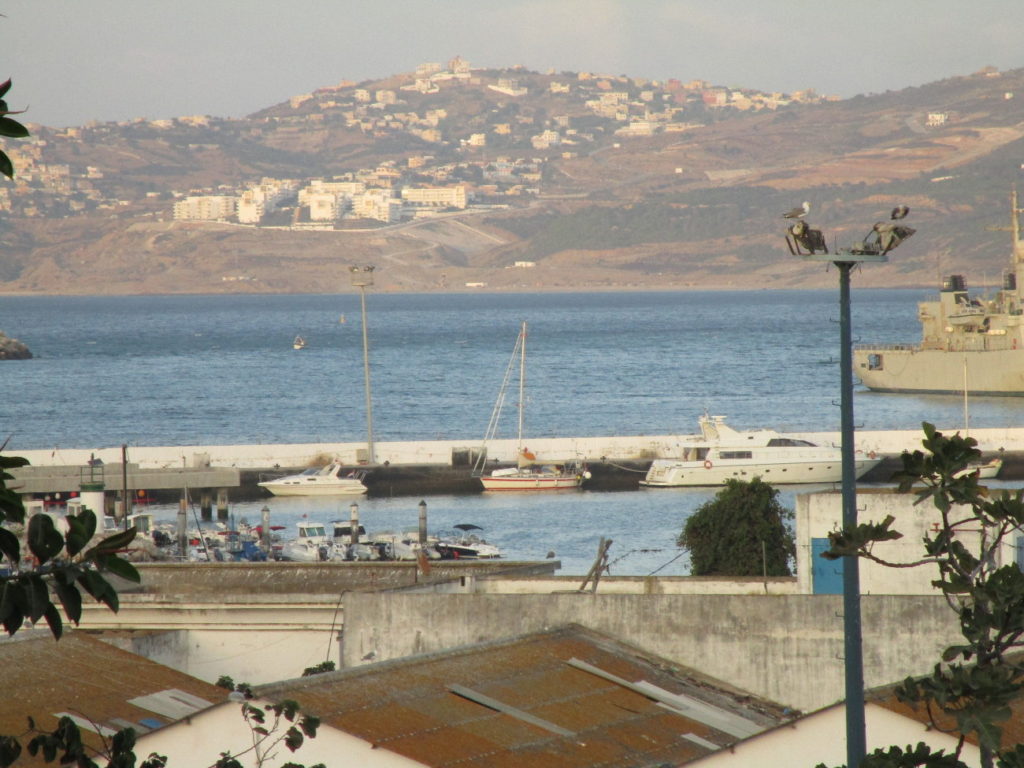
457 178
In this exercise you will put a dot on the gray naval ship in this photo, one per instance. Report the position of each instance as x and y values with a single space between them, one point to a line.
968 344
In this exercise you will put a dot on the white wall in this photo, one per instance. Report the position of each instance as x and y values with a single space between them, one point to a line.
821 738
819 513
198 742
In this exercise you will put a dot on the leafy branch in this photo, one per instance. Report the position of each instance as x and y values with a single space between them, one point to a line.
9 128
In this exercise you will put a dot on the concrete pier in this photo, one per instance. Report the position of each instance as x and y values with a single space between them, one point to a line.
429 466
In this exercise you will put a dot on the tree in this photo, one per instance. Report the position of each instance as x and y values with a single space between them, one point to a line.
969 691
10 128
741 532
68 564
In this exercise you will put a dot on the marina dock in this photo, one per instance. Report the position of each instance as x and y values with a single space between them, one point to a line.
419 467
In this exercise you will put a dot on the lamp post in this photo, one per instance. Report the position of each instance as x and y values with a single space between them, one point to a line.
361 278
883 238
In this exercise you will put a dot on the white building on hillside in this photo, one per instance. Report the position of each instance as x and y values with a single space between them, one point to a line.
435 197
205 208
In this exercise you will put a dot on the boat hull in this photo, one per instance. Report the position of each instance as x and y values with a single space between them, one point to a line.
910 369
667 473
530 482
290 489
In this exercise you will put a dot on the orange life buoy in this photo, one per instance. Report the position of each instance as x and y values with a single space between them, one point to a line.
708 464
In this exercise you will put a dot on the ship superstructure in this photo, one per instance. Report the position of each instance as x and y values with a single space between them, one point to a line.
968 344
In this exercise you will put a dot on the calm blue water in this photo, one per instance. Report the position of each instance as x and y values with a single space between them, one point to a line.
193 370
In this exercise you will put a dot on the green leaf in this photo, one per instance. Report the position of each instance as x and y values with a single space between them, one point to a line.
121 567
44 540
52 616
70 599
12 128
6 166
5 86
10 749
112 543
10 547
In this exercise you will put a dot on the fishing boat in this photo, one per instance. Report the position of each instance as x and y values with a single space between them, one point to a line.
333 480
721 453
530 473
985 332
299 343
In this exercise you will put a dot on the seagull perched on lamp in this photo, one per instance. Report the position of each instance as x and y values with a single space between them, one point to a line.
799 212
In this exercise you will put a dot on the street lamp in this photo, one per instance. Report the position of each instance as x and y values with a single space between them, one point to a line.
361 278
809 243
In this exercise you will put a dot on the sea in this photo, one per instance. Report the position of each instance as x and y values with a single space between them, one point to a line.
213 370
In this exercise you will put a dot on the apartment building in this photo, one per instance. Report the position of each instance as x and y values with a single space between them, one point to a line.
205 208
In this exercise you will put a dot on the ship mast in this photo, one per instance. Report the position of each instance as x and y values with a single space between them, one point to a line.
1018 245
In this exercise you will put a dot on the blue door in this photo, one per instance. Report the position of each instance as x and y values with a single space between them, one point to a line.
826 575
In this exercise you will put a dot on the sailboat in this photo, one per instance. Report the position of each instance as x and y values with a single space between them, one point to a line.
529 474
985 470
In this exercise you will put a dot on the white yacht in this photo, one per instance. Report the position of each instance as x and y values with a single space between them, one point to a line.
721 453
332 480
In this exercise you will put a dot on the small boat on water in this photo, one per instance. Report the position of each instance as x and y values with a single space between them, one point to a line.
299 343
529 474
332 480
311 545
721 453
464 544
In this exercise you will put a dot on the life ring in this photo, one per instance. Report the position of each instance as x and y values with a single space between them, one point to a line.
708 464
872 454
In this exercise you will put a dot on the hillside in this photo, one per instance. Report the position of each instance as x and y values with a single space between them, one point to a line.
587 182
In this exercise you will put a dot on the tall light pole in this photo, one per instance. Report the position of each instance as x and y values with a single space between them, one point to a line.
809 243
361 278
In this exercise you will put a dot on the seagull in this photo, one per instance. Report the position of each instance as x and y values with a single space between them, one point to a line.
798 213
899 212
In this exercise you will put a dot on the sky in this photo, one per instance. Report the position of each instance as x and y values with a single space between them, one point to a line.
75 61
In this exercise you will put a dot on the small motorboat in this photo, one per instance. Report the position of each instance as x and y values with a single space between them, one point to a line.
299 343
312 545
464 544
332 480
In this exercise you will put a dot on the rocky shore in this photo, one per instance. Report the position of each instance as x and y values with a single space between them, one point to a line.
12 349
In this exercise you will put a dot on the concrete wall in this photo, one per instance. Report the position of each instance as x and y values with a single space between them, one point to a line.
785 648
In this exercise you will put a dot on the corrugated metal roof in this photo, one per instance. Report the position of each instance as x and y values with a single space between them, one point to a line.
93 680
407 706
1013 727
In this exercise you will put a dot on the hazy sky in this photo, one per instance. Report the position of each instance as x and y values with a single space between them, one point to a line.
73 61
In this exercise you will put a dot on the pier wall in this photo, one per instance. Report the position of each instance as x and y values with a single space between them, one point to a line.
441 452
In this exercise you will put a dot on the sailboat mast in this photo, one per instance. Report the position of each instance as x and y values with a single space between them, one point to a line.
522 385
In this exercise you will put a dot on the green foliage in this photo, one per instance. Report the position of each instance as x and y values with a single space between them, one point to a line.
61 566
973 686
319 669
9 128
741 532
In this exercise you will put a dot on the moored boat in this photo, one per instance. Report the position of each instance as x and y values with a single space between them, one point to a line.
332 480
530 473
721 453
